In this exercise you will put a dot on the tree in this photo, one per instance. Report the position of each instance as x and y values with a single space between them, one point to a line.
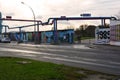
81 30
70 27
90 31
106 26
86 31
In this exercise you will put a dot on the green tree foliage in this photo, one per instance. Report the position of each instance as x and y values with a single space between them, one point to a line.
90 31
106 26
86 31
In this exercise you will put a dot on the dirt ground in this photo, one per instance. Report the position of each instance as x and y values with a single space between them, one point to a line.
100 77
93 75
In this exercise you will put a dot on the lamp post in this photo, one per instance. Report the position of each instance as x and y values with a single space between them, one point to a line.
34 19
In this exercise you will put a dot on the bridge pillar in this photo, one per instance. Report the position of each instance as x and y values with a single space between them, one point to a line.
20 34
55 33
5 31
103 22
36 34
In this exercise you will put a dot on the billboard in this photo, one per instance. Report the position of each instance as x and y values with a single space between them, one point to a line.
102 36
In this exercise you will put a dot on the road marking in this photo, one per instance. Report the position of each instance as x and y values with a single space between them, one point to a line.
23 51
28 55
83 62
32 53
95 60
53 46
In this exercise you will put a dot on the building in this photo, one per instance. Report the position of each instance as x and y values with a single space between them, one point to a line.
64 36
115 32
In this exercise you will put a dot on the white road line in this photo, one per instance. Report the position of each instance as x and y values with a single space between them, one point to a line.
23 51
28 55
95 60
32 53
73 46
83 62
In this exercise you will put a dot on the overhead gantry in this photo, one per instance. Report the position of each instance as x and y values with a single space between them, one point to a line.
54 22
39 22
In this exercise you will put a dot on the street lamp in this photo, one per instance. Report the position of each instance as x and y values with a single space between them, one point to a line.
34 18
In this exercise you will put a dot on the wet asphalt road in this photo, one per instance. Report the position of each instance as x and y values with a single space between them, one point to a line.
101 58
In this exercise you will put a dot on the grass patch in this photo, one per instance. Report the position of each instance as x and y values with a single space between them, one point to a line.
25 69
84 38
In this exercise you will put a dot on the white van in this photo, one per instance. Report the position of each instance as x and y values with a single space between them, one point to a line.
4 39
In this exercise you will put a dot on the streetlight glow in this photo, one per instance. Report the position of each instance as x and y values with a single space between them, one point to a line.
33 17
32 13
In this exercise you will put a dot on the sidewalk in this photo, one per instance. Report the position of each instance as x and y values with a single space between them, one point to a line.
74 46
106 47
68 46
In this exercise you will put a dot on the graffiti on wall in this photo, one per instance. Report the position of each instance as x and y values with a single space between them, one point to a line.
44 37
102 35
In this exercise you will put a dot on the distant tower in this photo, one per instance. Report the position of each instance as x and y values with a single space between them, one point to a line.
1 23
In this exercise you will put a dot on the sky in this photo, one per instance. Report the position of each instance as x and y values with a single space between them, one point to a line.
45 9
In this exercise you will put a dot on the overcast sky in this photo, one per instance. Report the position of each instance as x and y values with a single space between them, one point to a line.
45 9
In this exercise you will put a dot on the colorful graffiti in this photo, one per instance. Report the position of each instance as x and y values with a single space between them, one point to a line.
64 36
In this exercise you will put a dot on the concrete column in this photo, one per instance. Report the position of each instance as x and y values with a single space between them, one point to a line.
55 32
103 22
20 33
5 30
37 37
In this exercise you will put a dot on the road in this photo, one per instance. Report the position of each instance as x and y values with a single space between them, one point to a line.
101 58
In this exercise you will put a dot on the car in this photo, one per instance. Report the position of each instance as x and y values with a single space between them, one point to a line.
5 40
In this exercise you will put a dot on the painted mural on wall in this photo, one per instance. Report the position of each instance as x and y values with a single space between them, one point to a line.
64 36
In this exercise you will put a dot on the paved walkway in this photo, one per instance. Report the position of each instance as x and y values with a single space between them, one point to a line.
74 46
69 48
85 44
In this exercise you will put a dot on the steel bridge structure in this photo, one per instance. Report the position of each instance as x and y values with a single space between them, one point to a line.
53 21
